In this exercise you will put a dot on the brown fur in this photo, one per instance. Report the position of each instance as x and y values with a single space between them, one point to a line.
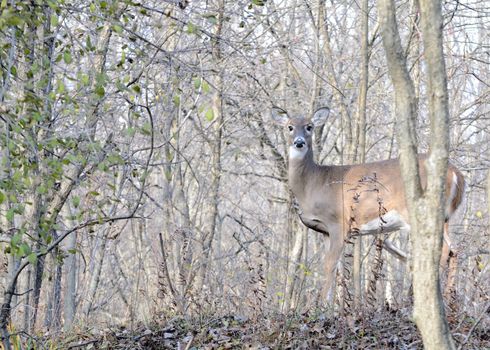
336 199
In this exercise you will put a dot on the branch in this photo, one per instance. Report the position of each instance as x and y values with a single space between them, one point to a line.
10 290
72 179
484 313
405 99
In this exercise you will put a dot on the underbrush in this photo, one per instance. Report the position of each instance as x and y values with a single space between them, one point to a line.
381 330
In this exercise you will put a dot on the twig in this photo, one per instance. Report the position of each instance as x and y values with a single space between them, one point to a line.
188 346
79 345
474 326
21 294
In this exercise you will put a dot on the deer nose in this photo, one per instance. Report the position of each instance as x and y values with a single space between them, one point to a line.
299 142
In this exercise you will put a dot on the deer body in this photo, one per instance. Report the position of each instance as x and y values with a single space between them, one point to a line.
368 198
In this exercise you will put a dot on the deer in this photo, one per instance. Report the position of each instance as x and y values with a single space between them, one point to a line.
338 200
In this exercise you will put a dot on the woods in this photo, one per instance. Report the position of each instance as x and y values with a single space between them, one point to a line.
143 180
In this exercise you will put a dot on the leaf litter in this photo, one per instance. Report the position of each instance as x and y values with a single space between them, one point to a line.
381 330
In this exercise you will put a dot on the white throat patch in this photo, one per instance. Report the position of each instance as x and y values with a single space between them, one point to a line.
295 153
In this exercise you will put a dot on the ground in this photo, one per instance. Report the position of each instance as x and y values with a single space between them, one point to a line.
380 330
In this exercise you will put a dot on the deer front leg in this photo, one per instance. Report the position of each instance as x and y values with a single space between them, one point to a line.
449 263
334 248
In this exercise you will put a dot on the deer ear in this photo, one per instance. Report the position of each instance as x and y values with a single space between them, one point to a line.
279 116
320 116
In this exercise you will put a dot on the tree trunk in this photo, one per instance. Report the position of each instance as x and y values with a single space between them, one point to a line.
425 209
295 254
52 320
488 195
100 252
70 293
361 139
209 229
428 304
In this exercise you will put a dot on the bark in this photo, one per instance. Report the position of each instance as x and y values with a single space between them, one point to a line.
99 256
361 140
333 81
428 304
91 122
405 101
425 209
70 292
294 260
8 262
488 195
38 46
209 229
100 253
185 271
138 229
52 320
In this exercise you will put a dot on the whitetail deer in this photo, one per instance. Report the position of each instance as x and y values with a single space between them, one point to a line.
366 198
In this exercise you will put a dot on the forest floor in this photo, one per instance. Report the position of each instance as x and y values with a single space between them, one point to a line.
385 330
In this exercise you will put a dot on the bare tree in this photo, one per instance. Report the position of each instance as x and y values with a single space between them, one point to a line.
168 121
425 205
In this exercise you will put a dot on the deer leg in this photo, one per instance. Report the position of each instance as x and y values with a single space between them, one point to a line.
395 251
332 257
449 260
446 248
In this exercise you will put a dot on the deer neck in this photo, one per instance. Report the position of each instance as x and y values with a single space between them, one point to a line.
302 173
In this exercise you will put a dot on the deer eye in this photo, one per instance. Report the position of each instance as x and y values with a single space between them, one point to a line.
309 127
290 128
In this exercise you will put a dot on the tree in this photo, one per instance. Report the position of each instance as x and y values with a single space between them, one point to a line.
168 121
425 205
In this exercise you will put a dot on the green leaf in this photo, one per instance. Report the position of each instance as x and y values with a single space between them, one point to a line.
101 78
117 28
76 201
146 129
209 115
137 89
3 197
123 57
100 91
15 240
25 249
259 2
176 100
13 20
205 87
88 43
92 8
54 20
42 189
32 258
10 215
102 167
191 28
67 57
197 83
85 79
61 87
